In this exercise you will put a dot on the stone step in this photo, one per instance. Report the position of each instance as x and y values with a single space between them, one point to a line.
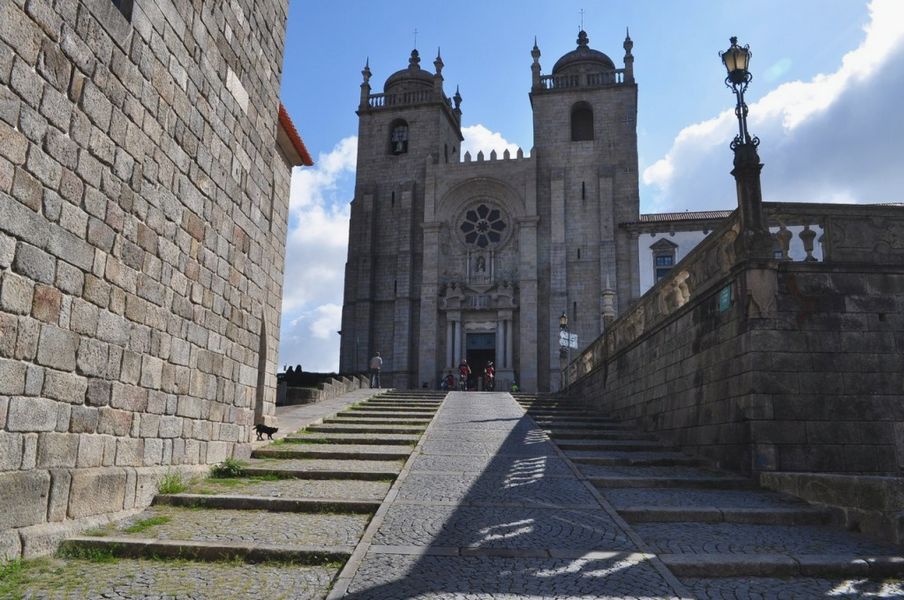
395 404
783 565
288 530
804 515
638 459
590 438
392 412
333 451
589 449
388 439
571 423
127 547
273 486
243 502
665 482
376 421
727 500
381 429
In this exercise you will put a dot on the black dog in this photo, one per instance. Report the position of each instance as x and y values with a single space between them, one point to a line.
262 429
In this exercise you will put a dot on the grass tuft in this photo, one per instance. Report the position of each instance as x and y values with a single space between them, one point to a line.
98 555
230 467
144 524
172 483
12 576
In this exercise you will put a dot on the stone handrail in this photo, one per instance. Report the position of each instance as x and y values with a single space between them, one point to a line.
561 82
851 233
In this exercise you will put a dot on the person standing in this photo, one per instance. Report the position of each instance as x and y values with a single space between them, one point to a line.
376 363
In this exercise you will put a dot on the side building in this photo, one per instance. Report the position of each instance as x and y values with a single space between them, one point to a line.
145 164
453 258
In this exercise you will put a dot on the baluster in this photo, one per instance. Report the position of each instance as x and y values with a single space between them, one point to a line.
807 236
784 240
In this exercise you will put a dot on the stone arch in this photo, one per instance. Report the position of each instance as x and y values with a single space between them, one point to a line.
474 189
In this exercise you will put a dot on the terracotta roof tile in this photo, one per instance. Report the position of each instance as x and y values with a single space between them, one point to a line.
287 124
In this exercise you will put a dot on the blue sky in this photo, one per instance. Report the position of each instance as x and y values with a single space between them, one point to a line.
828 79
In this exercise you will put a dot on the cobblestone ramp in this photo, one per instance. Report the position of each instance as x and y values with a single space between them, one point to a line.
488 508
282 530
726 538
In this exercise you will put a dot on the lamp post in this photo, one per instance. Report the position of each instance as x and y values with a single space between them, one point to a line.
754 239
564 348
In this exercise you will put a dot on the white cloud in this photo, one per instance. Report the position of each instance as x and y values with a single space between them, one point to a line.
327 322
823 140
315 258
478 138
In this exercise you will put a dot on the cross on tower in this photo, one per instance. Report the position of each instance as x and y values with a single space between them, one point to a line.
582 19
415 37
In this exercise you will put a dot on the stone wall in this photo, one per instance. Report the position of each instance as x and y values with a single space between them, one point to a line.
143 202
802 371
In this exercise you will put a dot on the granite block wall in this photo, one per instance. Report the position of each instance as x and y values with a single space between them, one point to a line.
804 372
142 224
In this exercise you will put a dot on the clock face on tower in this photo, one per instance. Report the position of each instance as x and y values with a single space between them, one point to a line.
483 225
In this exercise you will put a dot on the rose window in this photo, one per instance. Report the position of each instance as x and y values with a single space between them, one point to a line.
483 225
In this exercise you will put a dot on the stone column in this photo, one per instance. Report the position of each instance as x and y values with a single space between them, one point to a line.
527 340
558 281
509 346
450 343
500 341
428 357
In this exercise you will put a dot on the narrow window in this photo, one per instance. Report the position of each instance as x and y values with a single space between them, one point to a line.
125 7
581 122
398 137
574 312
392 201
395 286
446 150
583 191
579 254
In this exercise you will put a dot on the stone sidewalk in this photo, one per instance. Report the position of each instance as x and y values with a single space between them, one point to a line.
486 507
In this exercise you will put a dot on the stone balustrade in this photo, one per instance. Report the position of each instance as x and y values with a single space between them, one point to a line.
377 101
562 82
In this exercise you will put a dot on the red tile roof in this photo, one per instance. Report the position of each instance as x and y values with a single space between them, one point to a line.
297 143
683 216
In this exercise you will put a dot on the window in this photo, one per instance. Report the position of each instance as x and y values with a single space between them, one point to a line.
581 122
663 257
482 226
125 7
398 138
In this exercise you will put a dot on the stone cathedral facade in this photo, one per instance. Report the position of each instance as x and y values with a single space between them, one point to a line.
455 256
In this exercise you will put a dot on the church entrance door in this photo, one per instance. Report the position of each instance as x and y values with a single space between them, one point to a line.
481 348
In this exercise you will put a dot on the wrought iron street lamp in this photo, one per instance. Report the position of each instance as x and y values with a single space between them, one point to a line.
563 321
737 60
563 335
754 240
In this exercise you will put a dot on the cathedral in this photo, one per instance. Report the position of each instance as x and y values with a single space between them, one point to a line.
484 258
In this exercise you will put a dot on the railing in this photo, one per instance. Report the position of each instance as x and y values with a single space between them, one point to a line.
405 99
563 82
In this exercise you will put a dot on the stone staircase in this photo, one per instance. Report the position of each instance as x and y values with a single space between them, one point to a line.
721 534
282 528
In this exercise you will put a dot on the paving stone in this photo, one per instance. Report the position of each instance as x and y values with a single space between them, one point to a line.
123 579
689 473
525 465
391 577
495 527
763 588
244 526
491 487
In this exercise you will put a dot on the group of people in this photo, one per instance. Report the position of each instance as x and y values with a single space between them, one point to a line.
464 378
447 382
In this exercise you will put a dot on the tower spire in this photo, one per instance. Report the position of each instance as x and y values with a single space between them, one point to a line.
629 58
535 67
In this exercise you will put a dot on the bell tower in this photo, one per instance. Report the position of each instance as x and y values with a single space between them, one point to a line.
410 124
585 140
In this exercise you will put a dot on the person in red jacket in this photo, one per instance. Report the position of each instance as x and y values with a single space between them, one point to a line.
464 374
